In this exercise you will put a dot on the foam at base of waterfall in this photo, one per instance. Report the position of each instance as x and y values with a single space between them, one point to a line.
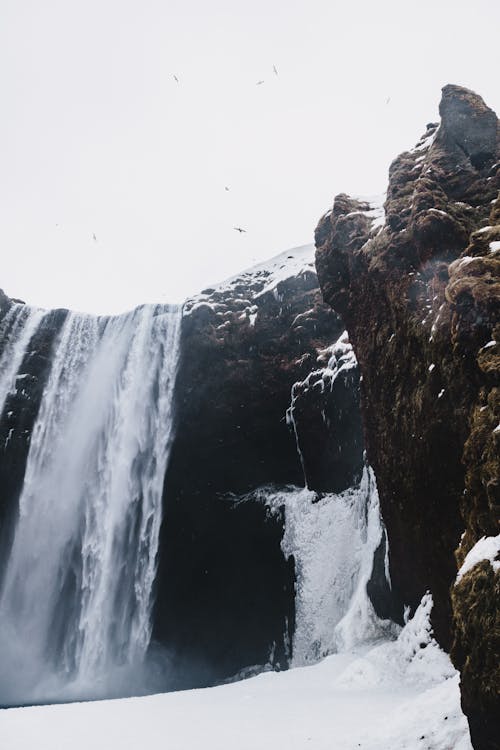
333 541
37 683
75 607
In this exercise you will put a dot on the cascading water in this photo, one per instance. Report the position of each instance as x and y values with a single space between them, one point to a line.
16 330
75 607
333 542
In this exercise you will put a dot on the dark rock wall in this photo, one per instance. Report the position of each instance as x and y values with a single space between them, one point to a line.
225 592
420 299
326 420
237 374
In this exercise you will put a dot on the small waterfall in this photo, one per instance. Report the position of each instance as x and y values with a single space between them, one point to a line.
333 541
16 330
75 607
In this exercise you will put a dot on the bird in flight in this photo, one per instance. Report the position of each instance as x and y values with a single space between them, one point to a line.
239 229
94 237
259 83
275 70
176 79
226 189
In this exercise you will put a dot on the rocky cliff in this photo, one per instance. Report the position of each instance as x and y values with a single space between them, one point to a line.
225 592
420 297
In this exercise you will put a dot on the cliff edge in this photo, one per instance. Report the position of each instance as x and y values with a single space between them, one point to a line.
420 297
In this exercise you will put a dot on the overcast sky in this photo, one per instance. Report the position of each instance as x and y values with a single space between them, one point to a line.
97 137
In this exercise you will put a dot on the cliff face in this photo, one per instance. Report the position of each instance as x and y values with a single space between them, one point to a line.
420 298
225 592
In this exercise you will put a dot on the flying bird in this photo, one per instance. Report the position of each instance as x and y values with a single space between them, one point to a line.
239 229
94 237
226 189
275 70
259 83
176 79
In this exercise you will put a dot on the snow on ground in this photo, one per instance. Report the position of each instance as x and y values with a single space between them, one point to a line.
395 695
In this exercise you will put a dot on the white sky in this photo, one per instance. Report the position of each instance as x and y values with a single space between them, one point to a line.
97 137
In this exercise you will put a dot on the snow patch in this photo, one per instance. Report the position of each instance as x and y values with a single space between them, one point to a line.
487 548
376 211
425 142
280 268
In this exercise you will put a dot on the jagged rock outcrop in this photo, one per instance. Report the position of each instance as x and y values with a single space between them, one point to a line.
244 344
326 419
420 297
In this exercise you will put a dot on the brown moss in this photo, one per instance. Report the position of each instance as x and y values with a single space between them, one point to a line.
477 627
421 303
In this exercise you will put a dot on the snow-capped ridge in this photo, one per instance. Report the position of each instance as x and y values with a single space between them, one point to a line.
254 282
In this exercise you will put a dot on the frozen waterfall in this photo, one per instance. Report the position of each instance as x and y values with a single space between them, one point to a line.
333 541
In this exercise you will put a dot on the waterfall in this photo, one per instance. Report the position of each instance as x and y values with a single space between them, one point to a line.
75 606
16 330
333 542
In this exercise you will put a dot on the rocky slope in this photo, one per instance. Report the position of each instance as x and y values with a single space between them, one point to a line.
420 298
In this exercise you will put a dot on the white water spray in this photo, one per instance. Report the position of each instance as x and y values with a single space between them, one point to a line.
333 542
77 596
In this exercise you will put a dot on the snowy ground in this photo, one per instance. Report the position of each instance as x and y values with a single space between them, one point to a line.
397 695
